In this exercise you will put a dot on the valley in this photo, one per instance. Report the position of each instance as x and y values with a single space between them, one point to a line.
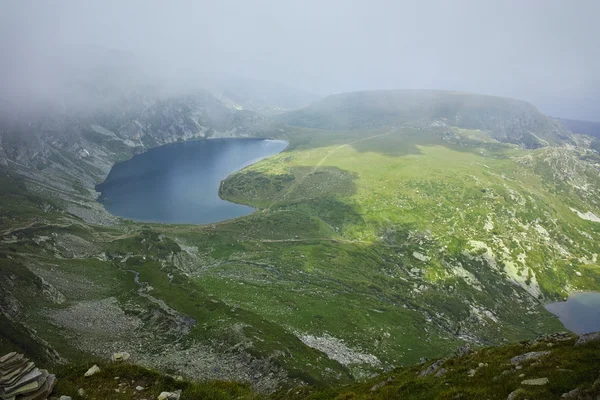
401 233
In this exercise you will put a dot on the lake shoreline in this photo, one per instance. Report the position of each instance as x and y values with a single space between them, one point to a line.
161 184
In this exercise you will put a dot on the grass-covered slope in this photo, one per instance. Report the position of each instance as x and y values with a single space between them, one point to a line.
434 236
507 120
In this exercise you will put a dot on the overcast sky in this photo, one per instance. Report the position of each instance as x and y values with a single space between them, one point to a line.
544 51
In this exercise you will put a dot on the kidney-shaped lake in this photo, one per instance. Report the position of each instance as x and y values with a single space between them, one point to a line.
179 183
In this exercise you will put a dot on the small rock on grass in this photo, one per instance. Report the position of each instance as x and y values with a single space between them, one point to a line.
514 394
463 350
95 369
121 356
432 368
535 382
534 355
176 395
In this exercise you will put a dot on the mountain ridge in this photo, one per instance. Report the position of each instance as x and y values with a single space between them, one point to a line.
508 120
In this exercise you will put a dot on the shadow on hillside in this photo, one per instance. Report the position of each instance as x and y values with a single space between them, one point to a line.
323 193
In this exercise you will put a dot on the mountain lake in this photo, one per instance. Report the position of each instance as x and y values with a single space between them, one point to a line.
179 182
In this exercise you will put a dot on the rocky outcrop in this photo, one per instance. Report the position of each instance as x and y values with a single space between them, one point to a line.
534 355
463 350
433 368
21 380
587 338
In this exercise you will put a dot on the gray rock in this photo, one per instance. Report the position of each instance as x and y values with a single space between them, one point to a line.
573 394
19 378
65 398
587 338
381 384
534 355
514 394
535 382
176 395
441 372
463 350
432 368
94 370
7 357
121 356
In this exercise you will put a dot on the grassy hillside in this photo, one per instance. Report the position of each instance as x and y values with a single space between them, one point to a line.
505 119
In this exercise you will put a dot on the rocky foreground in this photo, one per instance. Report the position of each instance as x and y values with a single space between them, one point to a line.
556 366
20 379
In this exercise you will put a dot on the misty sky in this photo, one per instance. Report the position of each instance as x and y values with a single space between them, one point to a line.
544 51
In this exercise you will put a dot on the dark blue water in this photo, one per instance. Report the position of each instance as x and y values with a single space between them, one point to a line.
179 183
580 313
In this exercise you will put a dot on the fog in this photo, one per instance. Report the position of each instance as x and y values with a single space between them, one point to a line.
543 51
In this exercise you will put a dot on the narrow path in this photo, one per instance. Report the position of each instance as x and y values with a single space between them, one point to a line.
334 240
318 165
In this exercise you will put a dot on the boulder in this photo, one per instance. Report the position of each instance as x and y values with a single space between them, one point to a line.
587 338
432 368
514 394
381 384
535 382
534 355
121 356
463 350
176 395
94 370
